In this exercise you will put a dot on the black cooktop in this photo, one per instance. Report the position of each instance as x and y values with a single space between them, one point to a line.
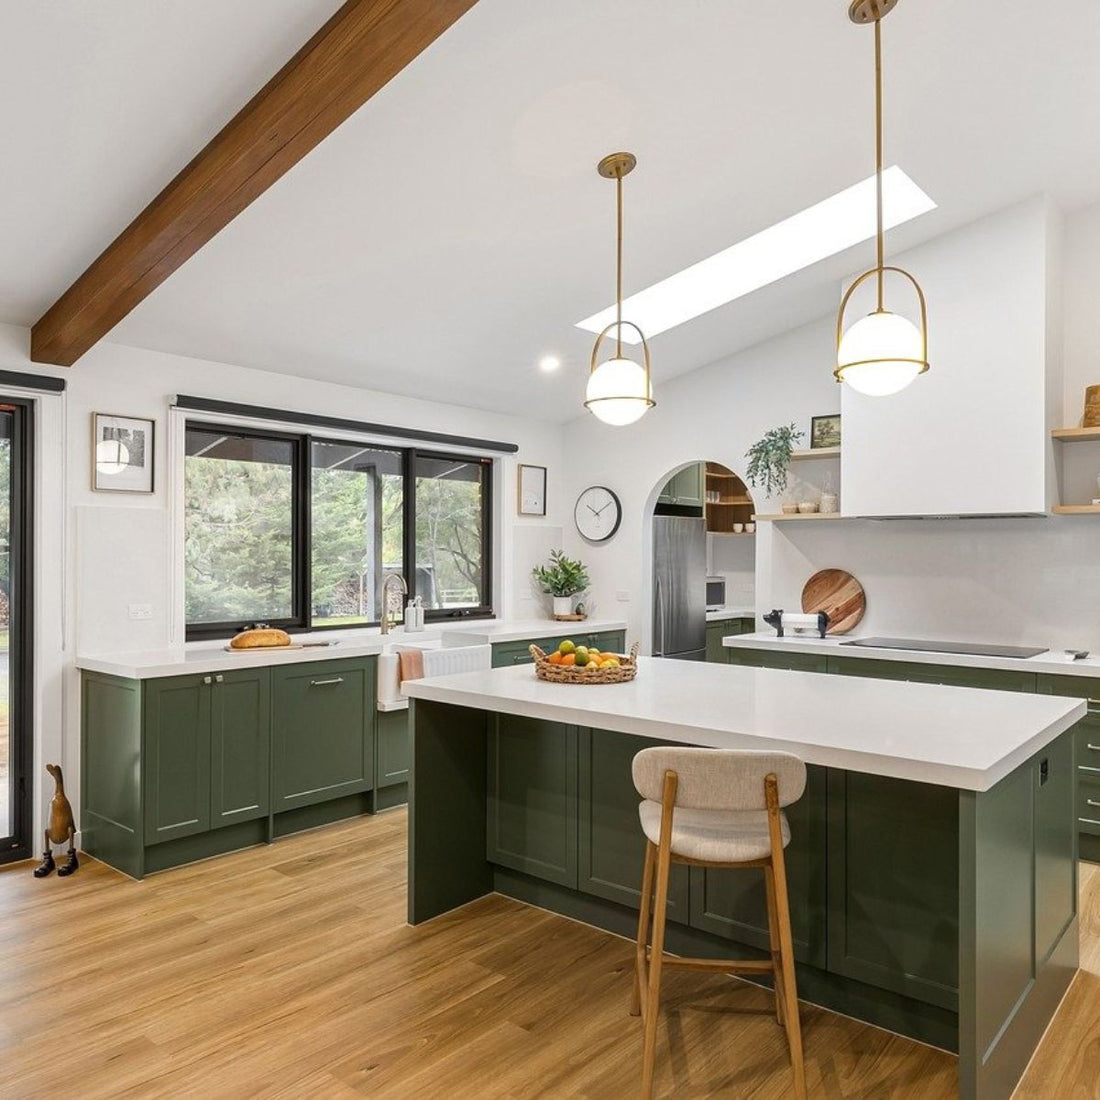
976 649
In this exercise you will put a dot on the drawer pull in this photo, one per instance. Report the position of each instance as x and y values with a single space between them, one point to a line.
206 679
1094 748
325 683
1092 802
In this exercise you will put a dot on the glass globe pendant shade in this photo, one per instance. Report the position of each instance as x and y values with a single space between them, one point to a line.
880 354
112 456
618 392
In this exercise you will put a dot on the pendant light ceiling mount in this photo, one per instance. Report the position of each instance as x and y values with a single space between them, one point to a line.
619 390
883 352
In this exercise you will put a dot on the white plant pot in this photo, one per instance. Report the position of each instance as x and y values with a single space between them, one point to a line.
563 605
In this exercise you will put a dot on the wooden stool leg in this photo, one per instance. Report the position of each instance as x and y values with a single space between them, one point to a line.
660 908
773 936
786 946
643 930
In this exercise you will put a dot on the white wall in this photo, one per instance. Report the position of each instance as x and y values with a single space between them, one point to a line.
99 552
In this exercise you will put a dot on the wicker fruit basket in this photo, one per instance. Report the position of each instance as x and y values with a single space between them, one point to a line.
570 674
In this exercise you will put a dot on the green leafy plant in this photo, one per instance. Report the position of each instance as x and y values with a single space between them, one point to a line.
562 577
769 458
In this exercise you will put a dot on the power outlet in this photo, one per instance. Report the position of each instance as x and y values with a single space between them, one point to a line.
141 611
622 595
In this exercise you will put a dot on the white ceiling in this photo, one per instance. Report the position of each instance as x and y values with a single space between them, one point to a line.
454 230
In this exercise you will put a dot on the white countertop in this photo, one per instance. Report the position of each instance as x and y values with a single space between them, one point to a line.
203 657
1054 661
731 613
957 737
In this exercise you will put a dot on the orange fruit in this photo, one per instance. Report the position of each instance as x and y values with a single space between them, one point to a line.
555 658
569 659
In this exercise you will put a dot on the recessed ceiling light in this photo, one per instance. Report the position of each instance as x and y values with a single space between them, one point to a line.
822 230
549 363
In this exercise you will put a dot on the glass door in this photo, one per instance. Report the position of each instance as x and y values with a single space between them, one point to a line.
15 628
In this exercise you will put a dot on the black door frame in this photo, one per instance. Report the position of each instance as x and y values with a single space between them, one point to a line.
21 629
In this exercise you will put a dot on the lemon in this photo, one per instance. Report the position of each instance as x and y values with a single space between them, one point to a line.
582 657
610 662
583 649
567 646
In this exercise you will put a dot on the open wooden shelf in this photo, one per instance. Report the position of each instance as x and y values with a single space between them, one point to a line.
730 502
1069 510
783 517
816 452
735 534
1076 435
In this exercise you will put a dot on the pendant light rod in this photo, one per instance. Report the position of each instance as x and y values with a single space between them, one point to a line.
619 264
880 228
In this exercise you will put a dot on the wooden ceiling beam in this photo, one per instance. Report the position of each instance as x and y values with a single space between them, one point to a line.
360 49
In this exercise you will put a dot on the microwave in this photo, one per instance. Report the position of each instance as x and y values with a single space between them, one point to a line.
716 593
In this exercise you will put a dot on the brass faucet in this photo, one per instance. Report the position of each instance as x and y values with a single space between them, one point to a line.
386 606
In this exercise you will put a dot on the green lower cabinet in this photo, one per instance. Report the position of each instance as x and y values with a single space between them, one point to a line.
769 658
393 748
610 838
893 905
322 731
732 903
531 812
723 628
994 679
176 757
519 653
240 747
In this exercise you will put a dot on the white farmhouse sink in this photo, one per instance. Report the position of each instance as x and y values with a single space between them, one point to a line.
464 657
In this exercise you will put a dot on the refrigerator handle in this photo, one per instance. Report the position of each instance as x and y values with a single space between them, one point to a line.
659 648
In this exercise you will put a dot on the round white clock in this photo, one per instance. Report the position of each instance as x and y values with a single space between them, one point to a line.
597 513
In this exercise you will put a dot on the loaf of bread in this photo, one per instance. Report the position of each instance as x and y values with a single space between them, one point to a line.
259 638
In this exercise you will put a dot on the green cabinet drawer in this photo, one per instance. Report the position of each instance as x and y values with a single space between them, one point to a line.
519 653
994 679
611 841
1076 687
723 628
769 658
531 822
322 731
240 746
394 751
176 757
732 903
1088 803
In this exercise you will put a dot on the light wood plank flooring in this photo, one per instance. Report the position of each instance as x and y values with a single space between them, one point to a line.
289 972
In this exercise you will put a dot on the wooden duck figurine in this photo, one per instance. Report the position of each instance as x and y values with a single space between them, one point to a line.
61 828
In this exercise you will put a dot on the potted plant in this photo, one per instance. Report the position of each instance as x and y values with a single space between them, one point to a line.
563 579
769 458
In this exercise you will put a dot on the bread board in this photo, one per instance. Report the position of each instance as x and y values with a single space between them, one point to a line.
839 595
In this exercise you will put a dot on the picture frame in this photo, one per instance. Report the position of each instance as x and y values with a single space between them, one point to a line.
123 453
824 431
531 490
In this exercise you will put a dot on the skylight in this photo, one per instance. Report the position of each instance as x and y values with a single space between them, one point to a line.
805 238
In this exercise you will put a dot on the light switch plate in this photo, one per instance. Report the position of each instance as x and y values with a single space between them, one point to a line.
141 611
622 595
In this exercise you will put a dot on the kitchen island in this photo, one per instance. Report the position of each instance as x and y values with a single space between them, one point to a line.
933 862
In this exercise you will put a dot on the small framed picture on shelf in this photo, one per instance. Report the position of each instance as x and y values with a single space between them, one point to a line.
531 490
122 453
824 431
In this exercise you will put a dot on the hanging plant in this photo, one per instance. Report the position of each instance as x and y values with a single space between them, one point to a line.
562 577
769 458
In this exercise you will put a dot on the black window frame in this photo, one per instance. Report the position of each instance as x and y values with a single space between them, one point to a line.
302 552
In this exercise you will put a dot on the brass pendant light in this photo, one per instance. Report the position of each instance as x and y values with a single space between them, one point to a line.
619 390
883 352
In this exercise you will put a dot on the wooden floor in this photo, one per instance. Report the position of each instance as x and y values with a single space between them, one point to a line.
289 972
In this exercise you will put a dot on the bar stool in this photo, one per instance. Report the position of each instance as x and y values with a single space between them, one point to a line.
715 808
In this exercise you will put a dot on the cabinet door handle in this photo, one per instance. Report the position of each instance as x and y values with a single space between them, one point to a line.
206 679
219 679
1092 802
325 683
1095 748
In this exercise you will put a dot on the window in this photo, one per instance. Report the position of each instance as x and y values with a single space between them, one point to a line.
357 528
240 528
300 532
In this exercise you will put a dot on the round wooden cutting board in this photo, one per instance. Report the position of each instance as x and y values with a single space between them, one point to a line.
839 595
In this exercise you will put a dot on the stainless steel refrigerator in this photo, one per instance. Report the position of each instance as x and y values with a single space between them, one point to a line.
680 587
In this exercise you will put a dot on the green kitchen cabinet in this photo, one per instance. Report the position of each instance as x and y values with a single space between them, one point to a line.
888 900
788 660
531 811
610 837
519 653
724 628
322 731
1087 747
687 488
732 903
394 751
993 679
176 759
240 746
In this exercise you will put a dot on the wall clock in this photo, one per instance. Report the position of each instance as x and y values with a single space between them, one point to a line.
597 513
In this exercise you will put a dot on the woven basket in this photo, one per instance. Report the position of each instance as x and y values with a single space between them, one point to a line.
570 674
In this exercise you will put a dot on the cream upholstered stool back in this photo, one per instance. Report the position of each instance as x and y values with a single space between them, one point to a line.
716 808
